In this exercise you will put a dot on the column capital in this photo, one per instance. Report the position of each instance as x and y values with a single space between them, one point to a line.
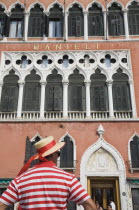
21 82
130 81
85 12
26 13
66 13
87 83
1 83
65 83
8 13
46 13
109 82
43 82
125 10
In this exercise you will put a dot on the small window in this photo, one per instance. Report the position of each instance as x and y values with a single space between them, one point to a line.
66 156
15 28
76 92
9 98
54 28
134 150
116 21
54 92
76 24
37 22
98 92
15 23
133 18
95 20
121 92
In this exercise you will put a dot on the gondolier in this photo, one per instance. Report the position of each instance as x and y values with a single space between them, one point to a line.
45 186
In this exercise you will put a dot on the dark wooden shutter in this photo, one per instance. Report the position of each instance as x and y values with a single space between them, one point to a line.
9 98
133 20
35 26
95 25
99 97
73 26
66 156
49 98
121 97
78 26
31 98
7 26
58 98
134 148
75 98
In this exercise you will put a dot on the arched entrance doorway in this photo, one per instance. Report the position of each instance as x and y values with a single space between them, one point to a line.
103 174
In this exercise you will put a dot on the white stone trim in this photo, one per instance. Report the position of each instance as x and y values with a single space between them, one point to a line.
14 5
33 4
94 2
130 2
53 4
73 3
34 137
121 173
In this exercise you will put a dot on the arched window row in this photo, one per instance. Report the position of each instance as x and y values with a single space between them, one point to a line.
74 99
67 61
75 22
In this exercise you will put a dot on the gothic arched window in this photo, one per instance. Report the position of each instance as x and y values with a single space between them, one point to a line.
10 89
2 22
54 92
55 22
66 154
15 22
76 92
134 150
121 92
98 92
133 18
76 21
31 99
95 20
37 27
115 20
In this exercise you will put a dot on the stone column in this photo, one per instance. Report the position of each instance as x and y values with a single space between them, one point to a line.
1 84
20 99
126 25
42 103
111 111
85 25
66 26
133 104
105 17
88 114
26 20
65 99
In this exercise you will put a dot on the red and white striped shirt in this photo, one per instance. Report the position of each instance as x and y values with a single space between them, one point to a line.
44 186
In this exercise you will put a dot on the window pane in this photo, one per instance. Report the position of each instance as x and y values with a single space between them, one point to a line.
15 29
54 28
12 32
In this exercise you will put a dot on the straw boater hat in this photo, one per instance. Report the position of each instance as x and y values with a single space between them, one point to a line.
44 147
47 146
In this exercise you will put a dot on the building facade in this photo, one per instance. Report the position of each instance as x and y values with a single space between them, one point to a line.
70 69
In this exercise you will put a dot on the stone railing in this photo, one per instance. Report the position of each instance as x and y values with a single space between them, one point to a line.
100 115
76 115
58 115
123 114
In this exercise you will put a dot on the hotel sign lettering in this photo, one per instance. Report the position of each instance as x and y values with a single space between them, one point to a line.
79 46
